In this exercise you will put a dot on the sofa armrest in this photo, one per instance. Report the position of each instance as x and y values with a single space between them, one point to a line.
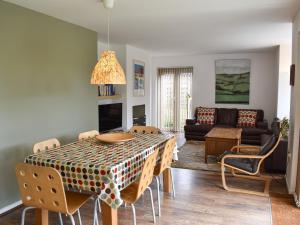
190 122
263 124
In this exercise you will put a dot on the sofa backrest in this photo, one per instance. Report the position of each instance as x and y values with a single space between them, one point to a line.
229 116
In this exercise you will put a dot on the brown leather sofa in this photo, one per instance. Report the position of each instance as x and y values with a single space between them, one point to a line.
226 117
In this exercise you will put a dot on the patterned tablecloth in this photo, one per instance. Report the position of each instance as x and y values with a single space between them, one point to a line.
103 168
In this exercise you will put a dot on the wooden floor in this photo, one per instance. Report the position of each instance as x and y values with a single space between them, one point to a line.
199 200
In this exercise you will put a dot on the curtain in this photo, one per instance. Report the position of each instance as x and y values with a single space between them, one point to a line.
175 86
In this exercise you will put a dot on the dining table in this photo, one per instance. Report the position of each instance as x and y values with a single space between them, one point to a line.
101 168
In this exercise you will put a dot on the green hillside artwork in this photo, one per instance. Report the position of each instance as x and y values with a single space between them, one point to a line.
233 81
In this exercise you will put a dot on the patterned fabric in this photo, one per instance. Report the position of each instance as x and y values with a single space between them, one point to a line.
247 118
102 168
206 115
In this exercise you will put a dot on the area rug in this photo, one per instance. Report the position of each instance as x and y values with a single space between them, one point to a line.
192 156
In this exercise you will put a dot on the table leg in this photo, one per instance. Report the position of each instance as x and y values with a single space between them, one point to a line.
42 217
167 180
109 215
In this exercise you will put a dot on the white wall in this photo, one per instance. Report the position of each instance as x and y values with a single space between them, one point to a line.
120 89
126 54
263 90
295 111
132 54
284 88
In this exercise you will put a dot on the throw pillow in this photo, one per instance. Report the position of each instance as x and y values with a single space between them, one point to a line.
247 118
206 115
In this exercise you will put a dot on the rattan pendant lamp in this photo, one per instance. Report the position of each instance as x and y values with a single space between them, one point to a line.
108 69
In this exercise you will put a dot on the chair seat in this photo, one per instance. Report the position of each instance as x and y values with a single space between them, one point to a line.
248 165
75 200
129 194
243 164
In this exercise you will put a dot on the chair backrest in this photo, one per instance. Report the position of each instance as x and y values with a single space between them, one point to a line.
273 141
45 145
147 173
88 134
144 130
269 147
167 155
41 187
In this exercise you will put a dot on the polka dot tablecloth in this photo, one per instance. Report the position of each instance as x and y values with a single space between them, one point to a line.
106 169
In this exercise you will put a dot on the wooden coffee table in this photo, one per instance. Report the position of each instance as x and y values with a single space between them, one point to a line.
219 140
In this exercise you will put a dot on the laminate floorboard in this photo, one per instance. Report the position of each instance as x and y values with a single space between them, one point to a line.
200 199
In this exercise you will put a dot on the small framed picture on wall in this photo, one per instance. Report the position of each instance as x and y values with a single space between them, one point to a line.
139 78
292 75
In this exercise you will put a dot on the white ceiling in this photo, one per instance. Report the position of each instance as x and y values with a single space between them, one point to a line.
181 26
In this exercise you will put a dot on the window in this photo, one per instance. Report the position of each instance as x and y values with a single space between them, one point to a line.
174 99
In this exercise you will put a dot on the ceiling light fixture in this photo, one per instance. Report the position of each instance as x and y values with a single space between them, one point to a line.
108 69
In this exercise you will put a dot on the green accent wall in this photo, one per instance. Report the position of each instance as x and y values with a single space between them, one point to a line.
45 69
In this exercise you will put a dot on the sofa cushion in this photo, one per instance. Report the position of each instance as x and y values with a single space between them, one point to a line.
252 131
206 115
247 118
260 115
227 117
223 126
201 128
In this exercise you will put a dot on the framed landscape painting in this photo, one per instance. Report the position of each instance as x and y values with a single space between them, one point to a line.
139 78
232 81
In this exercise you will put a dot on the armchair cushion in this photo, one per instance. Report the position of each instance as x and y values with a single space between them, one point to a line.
268 145
243 164
249 165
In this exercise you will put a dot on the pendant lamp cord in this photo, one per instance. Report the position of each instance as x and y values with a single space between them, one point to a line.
108 28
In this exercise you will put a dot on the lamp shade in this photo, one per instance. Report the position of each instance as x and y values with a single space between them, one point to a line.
108 70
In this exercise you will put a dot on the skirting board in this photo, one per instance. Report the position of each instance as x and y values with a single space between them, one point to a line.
296 200
9 207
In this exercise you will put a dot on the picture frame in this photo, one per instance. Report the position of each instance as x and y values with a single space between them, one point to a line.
138 78
232 81
292 74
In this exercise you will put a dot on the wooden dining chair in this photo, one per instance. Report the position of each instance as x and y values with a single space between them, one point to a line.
248 165
45 145
145 130
165 163
42 188
88 134
133 192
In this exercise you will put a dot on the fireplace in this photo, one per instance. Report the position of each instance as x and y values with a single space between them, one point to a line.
138 115
110 116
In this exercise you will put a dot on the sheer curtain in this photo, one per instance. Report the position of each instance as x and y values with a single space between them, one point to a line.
174 97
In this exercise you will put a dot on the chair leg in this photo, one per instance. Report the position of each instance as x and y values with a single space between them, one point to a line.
223 177
158 195
173 186
72 219
79 217
152 204
99 205
24 214
133 214
267 181
60 219
96 222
